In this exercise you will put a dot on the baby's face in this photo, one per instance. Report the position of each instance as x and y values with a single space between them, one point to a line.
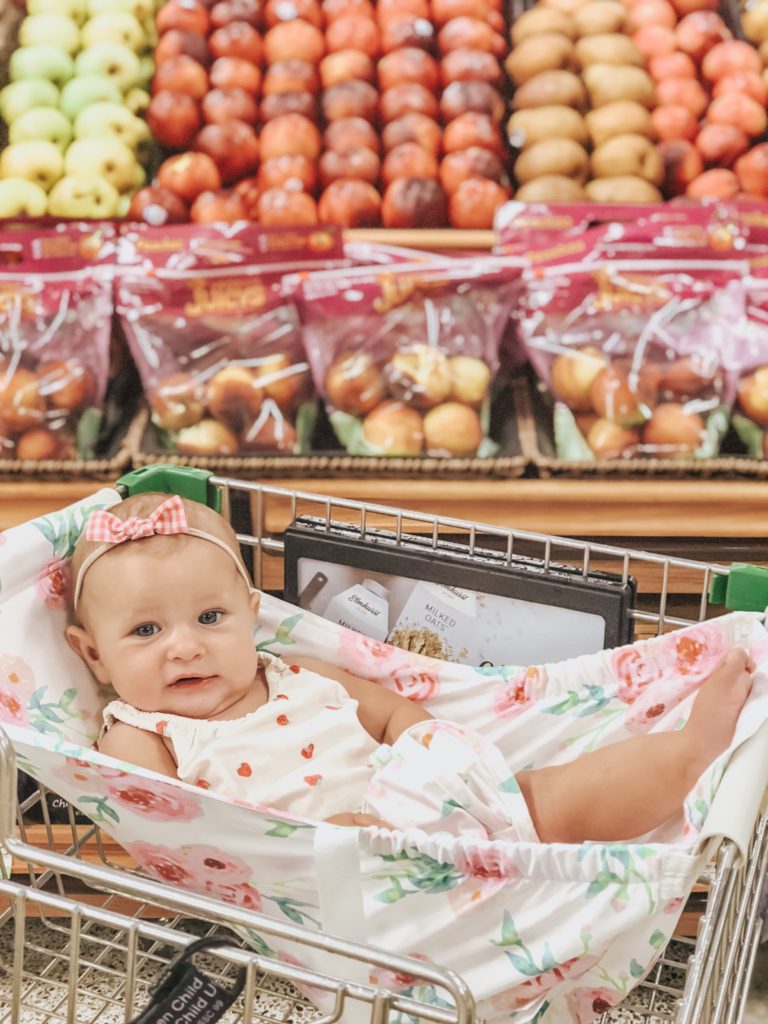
172 631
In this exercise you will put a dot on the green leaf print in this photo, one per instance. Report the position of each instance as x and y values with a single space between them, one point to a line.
62 529
101 811
291 909
540 1012
257 942
510 785
422 874
449 806
635 969
48 717
509 936
523 965
283 829
658 939
282 634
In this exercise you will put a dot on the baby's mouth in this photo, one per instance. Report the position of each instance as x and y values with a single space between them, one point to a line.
183 681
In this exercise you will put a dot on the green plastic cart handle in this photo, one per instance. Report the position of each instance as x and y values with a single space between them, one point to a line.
744 589
182 480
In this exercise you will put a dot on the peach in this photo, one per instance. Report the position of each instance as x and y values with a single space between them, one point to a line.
738 110
698 32
346 66
285 379
719 183
351 133
730 57
208 437
393 428
177 401
350 204
37 443
689 376
290 135
753 395
654 40
357 164
682 92
743 81
474 204
674 122
294 40
671 65
353 32
452 429
682 163
673 430
233 396
408 160
413 128
650 12
609 440
573 374
354 384
281 208
721 144
613 398
752 170
407 98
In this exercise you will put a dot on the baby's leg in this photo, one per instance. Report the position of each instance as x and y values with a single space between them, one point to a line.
631 787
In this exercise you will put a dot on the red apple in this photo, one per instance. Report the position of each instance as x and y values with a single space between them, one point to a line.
222 105
294 40
174 119
413 127
351 133
185 15
233 147
157 206
237 39
414 203
474 162
465 65
407 98
177 42
189 174
346 66
408 160
294 173
360 164
290 135
235 73
291 76
218 208
281 103
352 99
181 74
289 10
409 64
278 207
407 30
350 204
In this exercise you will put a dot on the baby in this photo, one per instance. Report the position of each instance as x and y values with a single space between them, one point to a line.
165 614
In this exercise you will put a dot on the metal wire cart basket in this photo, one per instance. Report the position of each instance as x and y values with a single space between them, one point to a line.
85 937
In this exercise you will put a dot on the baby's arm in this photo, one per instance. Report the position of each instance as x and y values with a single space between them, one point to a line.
145 749
383 714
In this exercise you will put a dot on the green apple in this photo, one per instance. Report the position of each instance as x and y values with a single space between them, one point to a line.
141 9
150 32
111 120
38 162
118 27
42 123
19 97
137 100
41 61
114 60
123 206
147 68
83 196
20 198
109 158
52 30
84 90
74 9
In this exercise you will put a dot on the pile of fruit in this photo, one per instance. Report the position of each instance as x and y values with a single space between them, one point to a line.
632 102
75 140
291 112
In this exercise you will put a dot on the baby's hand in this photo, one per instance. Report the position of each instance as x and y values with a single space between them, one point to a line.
357 820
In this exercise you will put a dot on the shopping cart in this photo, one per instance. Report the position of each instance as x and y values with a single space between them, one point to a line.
88 938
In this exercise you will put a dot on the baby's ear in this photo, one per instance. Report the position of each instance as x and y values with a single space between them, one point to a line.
255 601
80 641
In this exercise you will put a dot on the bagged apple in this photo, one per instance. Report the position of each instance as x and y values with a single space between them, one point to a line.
637 352
750 415
405 358
211 322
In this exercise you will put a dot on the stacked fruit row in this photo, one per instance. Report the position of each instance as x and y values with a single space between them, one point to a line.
75 142
616 100
339 112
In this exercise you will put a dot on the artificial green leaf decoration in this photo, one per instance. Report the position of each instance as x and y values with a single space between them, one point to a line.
306 419
714 431
569 440
349 430
87 433
750 434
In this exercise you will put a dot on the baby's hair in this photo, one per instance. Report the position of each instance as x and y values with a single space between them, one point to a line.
199 517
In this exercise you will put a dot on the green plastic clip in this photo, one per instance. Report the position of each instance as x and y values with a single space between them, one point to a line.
182 480
744 589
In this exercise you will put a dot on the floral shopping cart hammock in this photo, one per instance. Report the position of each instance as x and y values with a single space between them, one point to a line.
549 933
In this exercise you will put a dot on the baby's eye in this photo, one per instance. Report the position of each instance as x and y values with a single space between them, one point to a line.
146 629
210 618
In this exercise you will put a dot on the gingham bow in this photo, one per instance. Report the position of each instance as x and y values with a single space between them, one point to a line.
168 518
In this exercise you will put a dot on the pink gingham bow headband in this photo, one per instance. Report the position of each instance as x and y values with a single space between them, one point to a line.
169 518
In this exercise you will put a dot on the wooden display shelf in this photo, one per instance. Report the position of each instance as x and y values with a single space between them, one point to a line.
706 509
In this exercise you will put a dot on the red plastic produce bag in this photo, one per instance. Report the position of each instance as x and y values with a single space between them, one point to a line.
405 357
55 327
638 352
212 325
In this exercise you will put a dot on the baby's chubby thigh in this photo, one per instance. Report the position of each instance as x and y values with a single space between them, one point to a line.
443 778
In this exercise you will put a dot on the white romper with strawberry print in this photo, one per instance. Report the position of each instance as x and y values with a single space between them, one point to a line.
306 753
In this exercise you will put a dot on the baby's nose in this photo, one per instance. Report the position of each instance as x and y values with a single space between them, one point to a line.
184 643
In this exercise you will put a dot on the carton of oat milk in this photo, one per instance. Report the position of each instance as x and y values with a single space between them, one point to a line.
440 621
